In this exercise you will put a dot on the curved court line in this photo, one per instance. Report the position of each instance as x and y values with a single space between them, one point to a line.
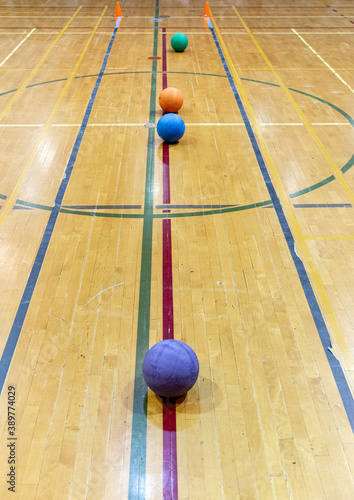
285 213
11 199
301 192
21 313
38 65
336 171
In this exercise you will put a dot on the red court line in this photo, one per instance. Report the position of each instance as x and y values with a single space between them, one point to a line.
169 441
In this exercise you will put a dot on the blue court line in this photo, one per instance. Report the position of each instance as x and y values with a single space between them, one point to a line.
38 262
335 365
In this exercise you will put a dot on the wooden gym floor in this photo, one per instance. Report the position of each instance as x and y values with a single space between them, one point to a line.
238 240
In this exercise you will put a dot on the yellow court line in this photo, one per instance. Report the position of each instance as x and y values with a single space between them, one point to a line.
39 69
16 48
344 351
324 62
33 72
12 198
295 69
329 238
336 171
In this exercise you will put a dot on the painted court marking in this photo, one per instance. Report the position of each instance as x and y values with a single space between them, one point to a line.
336 171
345 168
324 62
137 469
11 199
17 47
210 124
41 61
279 203
38 262
345 352
169 441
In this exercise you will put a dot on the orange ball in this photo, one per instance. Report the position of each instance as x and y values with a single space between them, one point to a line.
171 100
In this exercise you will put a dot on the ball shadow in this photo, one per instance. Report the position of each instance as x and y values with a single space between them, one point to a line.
186 140
205 396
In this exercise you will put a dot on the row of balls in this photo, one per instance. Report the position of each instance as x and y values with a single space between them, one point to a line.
171 127
171 367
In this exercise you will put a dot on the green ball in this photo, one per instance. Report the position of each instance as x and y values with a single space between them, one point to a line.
179 42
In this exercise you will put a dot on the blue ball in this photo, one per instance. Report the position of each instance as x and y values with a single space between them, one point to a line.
170 127
170 368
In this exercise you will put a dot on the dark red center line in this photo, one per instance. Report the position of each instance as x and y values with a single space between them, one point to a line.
169 442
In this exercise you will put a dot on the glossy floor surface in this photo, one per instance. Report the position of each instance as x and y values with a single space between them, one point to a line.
237 240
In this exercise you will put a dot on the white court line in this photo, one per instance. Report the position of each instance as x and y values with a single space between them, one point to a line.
105 290
50 17
185 32
289 33
328 32
324 62
38 125
334 123
108 33
301 124
18 46
19 33
270 17
216 124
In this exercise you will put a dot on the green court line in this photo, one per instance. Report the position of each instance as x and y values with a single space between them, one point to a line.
214 211
348 165
34 205
137 469
154 71
322 183
313 187
343 113
50 81
114 74
102 214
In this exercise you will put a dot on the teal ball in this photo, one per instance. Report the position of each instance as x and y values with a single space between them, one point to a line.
179 42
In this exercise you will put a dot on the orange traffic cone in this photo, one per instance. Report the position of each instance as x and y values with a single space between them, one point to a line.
207 12
118 12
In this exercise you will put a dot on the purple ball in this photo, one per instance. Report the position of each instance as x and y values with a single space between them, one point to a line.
170 368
